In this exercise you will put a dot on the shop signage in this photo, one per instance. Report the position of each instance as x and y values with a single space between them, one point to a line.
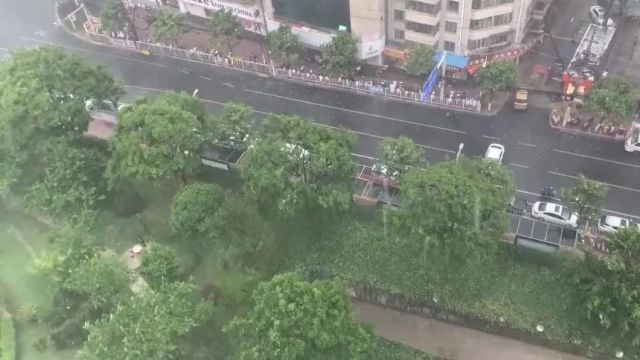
239 11
371 48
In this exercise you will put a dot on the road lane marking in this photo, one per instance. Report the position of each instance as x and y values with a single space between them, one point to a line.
104 54
596 158
363 156
183 71
357 112
610 185
518 165
621 213
227 84
204 77
526 144
490 137
3 49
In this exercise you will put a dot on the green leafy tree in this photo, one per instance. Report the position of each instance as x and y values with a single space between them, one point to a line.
233 126
339 57
223 22
156 140
72 183
420 60
103 279
498 76
193 206
299 166
401 154
114 16
159 266
168 25
586 198
614 99
608 289
42 96
455 208
295 319
154 325
285 45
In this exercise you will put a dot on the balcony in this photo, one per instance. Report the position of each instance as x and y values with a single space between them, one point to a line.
539 9
491 11
427 39
420 17
486 32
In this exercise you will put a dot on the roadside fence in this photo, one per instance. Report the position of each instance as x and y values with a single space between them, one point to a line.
390 91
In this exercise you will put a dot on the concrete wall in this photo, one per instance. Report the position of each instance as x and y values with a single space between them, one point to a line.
368 27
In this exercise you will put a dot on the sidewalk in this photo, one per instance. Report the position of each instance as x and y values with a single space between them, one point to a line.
449 341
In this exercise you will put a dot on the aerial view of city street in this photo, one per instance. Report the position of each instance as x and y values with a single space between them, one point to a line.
319 179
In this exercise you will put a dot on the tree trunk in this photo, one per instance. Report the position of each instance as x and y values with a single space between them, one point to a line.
229 44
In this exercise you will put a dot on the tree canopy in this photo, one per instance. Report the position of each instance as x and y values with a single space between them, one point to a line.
586 198
42 96
420 60
298 165
192 208
114 16
339 57
156 139
609 288
159 265
498 76
233 126
223 22
295 319
285 45
102 279
455 208
153 325
401 154
168 25
614 99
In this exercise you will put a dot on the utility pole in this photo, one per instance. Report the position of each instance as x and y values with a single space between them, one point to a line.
132 25
266 33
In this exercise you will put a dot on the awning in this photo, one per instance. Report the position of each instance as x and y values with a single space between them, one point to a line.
452 59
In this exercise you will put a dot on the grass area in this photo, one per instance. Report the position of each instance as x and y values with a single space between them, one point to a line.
7 337
517 287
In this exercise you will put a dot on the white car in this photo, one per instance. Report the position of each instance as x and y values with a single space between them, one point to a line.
597 15
612 224
554 213
495 152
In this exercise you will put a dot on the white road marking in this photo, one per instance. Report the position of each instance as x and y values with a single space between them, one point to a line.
621 213
610 185
227 84
363 156
183 71
4 49
596 158
526 144
204 77
573 18
490 137
92 51
357 112
41 33
518 165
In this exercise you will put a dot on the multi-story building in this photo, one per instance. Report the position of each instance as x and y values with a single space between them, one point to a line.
382 27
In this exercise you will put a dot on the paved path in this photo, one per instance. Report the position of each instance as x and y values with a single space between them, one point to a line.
449 341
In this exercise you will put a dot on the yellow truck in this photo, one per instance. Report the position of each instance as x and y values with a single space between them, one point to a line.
520 101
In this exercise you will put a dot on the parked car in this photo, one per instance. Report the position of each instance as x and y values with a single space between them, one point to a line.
612 224
520 100
495 152
597 14
554 213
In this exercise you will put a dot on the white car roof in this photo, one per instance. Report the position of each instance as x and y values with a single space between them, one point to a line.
616 221
495 151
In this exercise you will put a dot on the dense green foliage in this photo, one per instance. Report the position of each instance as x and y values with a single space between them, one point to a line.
586 198
285 45
233 127
159 266
304 321
498 76
101 279
114 16
193 206
168 25
614 99
298 166
401 154
339 57
420 60
7 337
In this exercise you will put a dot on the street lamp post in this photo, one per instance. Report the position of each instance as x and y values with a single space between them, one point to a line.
460 147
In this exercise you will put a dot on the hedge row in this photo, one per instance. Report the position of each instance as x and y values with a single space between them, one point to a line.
7 337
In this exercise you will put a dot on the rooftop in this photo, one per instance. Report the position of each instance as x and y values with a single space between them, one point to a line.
594 44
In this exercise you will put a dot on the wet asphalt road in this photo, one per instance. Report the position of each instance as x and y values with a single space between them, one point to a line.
537 154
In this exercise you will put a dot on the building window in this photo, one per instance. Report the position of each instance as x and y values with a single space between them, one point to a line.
483 4
398 15
450 27
450 46
422 28
398 34
453 6
502 19
492 40
422 7
491 21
